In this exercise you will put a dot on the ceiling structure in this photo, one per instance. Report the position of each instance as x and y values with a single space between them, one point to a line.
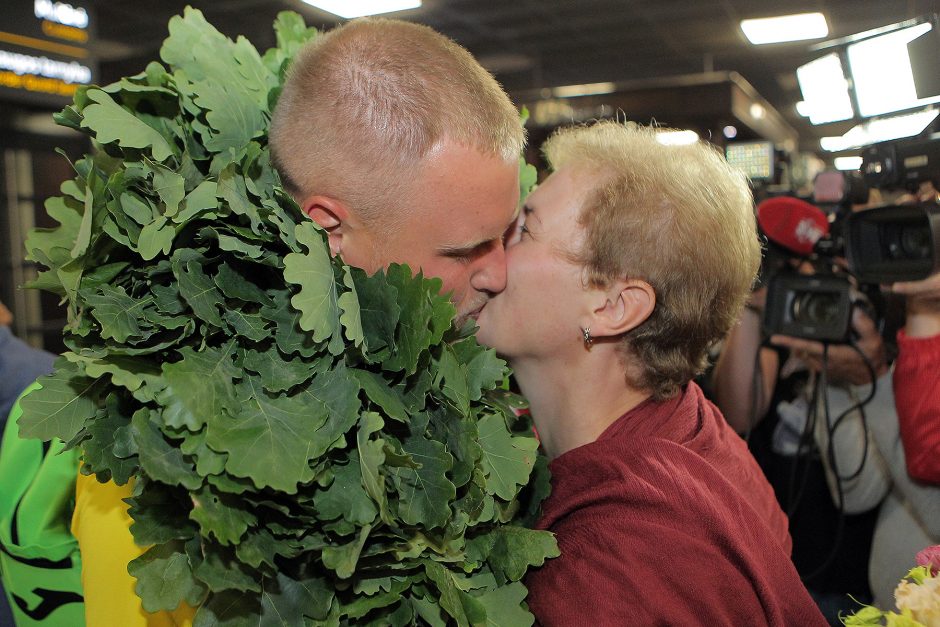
533 45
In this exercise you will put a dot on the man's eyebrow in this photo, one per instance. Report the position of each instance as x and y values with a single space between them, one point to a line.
466 250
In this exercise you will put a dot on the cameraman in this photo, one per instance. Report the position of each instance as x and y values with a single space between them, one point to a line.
765 390
862 467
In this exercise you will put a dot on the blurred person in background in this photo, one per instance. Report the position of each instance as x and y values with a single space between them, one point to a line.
628 262
20 365
917 378
917 372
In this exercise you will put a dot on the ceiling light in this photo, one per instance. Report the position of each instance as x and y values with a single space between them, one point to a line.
589 89
848 163
825 91
881 130
881 69
676 138
358 8
757 111
798 27
730 132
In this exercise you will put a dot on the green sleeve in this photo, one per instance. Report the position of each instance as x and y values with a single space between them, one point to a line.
40 564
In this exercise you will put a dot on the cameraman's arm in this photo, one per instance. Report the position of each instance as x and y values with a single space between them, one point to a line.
917 378
844 364
734 376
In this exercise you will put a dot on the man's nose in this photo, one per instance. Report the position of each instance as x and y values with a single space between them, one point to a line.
489 275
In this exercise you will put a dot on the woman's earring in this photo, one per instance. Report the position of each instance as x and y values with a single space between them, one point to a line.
586 335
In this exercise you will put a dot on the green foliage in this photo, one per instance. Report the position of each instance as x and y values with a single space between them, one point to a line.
309 445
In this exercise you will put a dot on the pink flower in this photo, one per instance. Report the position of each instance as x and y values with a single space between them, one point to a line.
930 557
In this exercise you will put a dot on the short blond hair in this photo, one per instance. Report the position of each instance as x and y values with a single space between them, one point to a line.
365 102
679 218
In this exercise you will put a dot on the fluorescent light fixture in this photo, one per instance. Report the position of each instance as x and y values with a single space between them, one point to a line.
881 69
825 91
881 130
676 138
358 8
847 163
589 89
771 30
833 144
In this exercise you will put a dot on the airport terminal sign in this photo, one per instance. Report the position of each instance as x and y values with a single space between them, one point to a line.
45 51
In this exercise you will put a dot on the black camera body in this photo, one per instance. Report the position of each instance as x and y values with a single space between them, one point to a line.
881 246
891 244
816 307
902 164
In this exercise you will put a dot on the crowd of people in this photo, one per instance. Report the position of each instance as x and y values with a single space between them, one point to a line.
605 292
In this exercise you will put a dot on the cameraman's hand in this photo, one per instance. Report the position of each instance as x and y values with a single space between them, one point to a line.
926 288
923 305
845 365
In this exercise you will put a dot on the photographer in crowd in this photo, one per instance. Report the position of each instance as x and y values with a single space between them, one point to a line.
830 444
766 392
20 364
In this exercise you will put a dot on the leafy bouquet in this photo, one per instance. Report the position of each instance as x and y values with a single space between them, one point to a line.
309 445
917 596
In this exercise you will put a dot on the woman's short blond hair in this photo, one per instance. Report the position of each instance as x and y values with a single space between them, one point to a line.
676 216
365 102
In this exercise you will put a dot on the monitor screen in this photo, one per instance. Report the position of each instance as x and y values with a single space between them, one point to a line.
883 74
755 159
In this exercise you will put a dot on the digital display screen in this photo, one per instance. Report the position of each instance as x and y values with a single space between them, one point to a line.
755 159
882 73
44 51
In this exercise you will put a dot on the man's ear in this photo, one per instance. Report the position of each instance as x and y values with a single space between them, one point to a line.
332 215
626 305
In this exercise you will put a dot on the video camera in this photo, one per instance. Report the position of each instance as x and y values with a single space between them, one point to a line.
880 246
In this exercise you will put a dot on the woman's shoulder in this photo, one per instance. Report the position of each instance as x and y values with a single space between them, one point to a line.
654 473
644 481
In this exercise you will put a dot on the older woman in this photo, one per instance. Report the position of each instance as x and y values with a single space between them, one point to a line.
628 262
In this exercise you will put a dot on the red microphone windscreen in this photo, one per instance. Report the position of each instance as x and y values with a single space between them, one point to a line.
792 223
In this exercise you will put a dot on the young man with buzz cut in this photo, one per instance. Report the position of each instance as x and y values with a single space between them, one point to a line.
404 149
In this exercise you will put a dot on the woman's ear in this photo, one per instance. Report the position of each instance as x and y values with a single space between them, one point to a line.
627 305
332 215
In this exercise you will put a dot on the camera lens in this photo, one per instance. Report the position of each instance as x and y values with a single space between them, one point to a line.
909 242
816 308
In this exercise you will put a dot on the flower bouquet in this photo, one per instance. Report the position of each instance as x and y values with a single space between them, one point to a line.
917 596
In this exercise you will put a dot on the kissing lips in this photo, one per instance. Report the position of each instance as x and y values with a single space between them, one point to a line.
476 312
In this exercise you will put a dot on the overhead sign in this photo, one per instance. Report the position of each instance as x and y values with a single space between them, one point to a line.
44 51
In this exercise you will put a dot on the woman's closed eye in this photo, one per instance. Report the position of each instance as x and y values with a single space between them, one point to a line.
520 230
